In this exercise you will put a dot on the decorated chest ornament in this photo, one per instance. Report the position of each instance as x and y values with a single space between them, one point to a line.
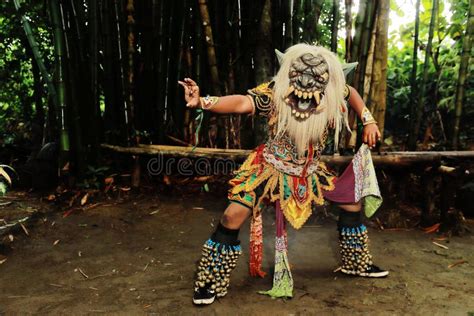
309 76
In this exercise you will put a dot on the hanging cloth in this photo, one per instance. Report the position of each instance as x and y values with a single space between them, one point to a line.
282 278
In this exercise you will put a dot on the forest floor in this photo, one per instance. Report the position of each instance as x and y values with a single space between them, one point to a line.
137 257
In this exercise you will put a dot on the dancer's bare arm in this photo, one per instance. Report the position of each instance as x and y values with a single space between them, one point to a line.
238 104
370 133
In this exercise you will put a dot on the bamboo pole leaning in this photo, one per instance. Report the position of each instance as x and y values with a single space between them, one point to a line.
392 159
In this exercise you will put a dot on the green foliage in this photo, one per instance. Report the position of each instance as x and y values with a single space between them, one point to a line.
395 8
5 178
17 83
17 104
3 188
444 68
324 25
94 177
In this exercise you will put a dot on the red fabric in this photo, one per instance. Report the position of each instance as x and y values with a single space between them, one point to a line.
256 247
344 187
309 158
258 160
296 182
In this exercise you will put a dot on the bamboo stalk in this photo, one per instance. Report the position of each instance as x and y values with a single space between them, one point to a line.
414 132
263 64
136 170
161 54
111 121
37 55
130 69
463 74
378 91
313 11
73 66
181 43
39 132
93 73
348 22
359 23
298 13
60 73
77 76
414 68
335 24
126 110
288 23
209 39
169 56
364 45
77 22
369 68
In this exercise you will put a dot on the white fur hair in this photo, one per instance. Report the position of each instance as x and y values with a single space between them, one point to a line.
334 107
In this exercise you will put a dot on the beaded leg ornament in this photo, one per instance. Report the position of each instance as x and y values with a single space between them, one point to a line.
217 262
354 243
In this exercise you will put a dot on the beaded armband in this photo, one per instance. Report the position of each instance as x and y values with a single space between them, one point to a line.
347 92
367 117
208 102
262 98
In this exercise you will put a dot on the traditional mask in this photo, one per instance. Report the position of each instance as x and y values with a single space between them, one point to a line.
309 77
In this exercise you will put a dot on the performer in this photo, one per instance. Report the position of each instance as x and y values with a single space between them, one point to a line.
306 99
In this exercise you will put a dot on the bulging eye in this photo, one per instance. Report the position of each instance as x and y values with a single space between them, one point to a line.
293 73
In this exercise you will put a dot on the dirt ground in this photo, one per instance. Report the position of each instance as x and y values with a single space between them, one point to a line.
137 257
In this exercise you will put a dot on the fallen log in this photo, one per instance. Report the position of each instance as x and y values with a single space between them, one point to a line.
394 159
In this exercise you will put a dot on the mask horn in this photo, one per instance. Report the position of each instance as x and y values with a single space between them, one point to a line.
279 56
349 68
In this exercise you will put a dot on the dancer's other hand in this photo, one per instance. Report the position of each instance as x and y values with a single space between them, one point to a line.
371 134
191 93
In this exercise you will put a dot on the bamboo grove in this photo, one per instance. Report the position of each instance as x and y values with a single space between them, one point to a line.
112 77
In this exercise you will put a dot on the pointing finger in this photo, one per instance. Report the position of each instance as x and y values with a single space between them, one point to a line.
191 81
184 85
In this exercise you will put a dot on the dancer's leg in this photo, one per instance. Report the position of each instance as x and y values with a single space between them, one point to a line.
353 239
235 215
219 256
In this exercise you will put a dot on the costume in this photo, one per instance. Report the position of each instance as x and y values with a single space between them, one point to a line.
306 99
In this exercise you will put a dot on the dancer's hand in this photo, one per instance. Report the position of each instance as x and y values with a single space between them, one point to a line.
191 93
371 134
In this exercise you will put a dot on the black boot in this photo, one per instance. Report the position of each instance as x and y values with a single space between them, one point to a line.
219 258
354 245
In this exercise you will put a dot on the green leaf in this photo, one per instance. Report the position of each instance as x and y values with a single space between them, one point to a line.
396 8
3 188
371 204
5 175
427 5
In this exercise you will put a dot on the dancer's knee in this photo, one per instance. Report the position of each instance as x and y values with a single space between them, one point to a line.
227 219
235 215
353 207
